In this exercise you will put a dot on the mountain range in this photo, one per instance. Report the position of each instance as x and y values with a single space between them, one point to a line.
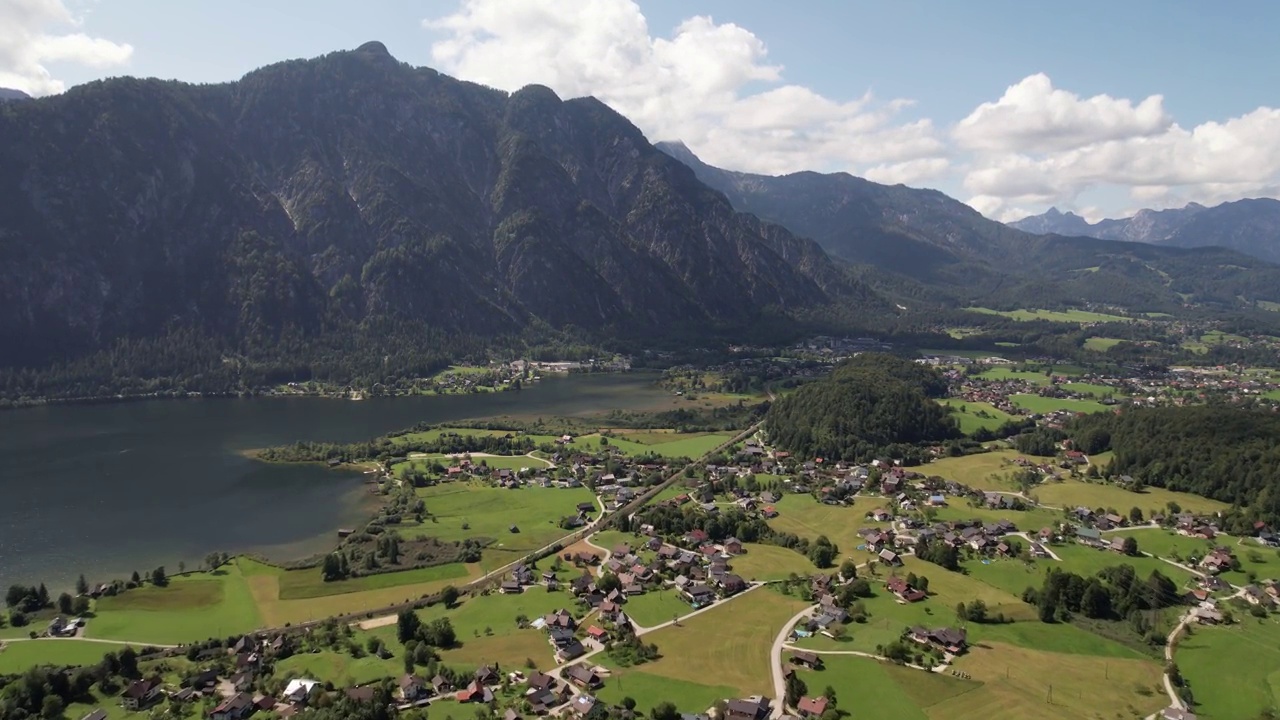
10 94
352 189
937 248
1251 226
352 204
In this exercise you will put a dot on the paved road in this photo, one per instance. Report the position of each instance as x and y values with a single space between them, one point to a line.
134 643
775 663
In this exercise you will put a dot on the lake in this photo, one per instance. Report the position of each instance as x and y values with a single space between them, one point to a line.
108 489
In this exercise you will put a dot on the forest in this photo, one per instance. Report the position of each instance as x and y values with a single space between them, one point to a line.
1224 452
864 408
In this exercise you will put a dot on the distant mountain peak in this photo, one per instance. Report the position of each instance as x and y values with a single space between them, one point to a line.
11 94
374 47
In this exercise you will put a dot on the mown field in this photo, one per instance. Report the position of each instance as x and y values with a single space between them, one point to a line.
648 690
18 655
874 689
807 518
656 607
701 648
1063 316
1234 671
1089 389
770 562
193 607
666 444
974 416
1101 344
1039 404
977 471
1007 373
473 509
1076 493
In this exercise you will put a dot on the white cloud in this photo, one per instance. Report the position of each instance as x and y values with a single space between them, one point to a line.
708 84
1034 116
34 33
1057 146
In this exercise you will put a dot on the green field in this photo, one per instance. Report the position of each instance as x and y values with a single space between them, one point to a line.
770 562
701 648
193 607
666 444
1088 561
977 471
266 583
1029 520
1101 344
489 512
1076 493
302 584
967 414
656 607
1062 316
875 689
649 690
1234 671
340 668
1006 373
435 433
807 518
1089 389
1038 404
19 655
497 462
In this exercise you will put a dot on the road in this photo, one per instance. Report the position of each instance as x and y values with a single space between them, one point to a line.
775 663
134 643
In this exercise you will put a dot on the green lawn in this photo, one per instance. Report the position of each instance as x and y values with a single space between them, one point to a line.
666 444
435 433
1063 316
193 607
807 518
1089 389
701 647
1038 404
489 512
17 656
340 668
656 607
649 690
770 562
977 471
873 689
1167 544
1234 671
1101 344
974 416
1087 561
499 462
1075 493
1007 373
308 583
1030 520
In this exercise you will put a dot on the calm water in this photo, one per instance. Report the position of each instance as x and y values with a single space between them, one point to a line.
107 489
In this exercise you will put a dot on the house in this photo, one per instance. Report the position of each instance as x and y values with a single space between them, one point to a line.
1089 537
812 707
488 675
296 692
1207 616
560 619
1116 545
242 682
412 688
582 676
511 587
1038 551
362 693
949 640
582 705
571 651
598 634
753 708
140 694
733 546
806 659
511 715
1175 713
890 558
476 692
700 594
903 590
732 585
236 707
440 684
98 714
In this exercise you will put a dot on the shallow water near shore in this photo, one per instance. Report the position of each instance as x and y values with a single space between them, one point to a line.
104 490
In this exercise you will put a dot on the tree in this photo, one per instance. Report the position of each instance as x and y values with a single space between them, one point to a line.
158 577
449 596
82 586
407 624
830 694
43 595
128 659
1135 515
1131 546
665 711
977 611
795 689
629 703
848 570
1096 601
331 568
52 707
64 604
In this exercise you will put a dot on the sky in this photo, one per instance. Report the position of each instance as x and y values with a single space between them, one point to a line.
1013 106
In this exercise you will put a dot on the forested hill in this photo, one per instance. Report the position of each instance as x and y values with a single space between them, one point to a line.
355 200
864 407
1223 452
922 243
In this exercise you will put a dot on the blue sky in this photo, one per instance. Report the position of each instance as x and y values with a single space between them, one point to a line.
891 90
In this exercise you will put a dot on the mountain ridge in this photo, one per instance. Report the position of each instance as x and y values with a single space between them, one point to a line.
1250 226
353 191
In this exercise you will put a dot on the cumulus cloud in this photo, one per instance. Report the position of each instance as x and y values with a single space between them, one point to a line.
1039 146
709 84
34 33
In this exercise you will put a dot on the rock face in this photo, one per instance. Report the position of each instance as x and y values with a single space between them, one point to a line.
352 190
1249 226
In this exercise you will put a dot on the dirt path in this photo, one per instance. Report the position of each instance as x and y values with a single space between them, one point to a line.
775 662
88 639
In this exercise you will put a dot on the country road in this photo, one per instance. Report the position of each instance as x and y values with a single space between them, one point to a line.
775 663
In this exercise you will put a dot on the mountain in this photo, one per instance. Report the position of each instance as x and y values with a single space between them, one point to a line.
934 248
1250 226
9 94
354 193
